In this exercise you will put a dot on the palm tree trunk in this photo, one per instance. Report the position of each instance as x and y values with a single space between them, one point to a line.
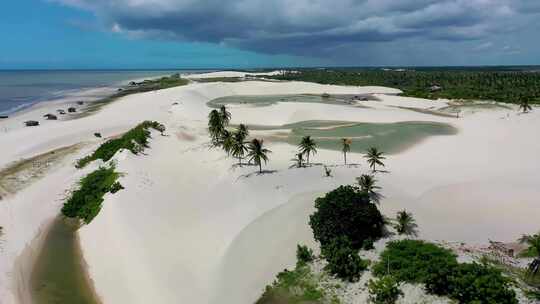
308 159
345 157
240 161
260 168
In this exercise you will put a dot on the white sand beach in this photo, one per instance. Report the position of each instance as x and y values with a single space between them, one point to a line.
191 227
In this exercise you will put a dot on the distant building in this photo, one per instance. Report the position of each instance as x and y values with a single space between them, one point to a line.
72 110
435 88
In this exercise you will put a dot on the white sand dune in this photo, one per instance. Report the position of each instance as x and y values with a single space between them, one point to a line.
191 228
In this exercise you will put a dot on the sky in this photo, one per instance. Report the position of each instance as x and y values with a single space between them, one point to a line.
133 34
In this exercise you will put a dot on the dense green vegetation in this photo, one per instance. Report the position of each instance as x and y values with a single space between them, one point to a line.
503 86
413 261
343 261
85 202
346 212
135 140
304 255
299 286
421 262
472 283
385 290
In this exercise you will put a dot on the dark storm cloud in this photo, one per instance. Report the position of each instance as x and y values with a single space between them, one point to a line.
311 27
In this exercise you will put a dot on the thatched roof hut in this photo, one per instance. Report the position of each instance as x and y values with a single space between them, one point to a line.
50 117
435 88
80 103
31 123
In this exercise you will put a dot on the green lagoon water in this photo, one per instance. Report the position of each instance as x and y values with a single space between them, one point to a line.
59 275
268 100
390 138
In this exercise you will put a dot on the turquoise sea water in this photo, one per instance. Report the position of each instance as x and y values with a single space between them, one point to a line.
21 89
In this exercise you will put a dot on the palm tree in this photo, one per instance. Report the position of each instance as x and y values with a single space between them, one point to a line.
307 146
215 126
533 241
367 185
227 141
257 153
225 115
299 160
239 148
346 147
406 223
375 158
243 131
524 105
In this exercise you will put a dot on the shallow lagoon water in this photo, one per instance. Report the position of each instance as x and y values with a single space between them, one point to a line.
388 137
268 100
59 275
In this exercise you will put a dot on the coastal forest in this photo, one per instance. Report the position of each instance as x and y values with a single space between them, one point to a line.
512 86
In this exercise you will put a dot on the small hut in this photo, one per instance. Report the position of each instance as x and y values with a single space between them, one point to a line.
72 110
31 123
80 103
61 112
435 88
50 116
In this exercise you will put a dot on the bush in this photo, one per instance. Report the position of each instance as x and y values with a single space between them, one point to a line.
343 261
420 262
413 260
297 286
475 283
135 140
347 212
384 290
304 255
85 203
116 187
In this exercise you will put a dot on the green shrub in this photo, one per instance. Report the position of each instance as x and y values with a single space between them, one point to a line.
343 261
116 187
135 140
304 255
347 212
416 261
384 290
85 203
297 286
413 260
475 283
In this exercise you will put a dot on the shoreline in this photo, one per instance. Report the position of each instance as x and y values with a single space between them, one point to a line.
65 97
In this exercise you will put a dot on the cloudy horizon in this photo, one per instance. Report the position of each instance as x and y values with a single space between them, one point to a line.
244 33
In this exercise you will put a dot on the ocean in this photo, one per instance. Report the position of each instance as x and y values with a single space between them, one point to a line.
21 89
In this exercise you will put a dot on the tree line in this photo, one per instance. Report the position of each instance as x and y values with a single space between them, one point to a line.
502 86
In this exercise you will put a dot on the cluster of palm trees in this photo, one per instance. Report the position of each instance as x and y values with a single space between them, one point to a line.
404 222
234 142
